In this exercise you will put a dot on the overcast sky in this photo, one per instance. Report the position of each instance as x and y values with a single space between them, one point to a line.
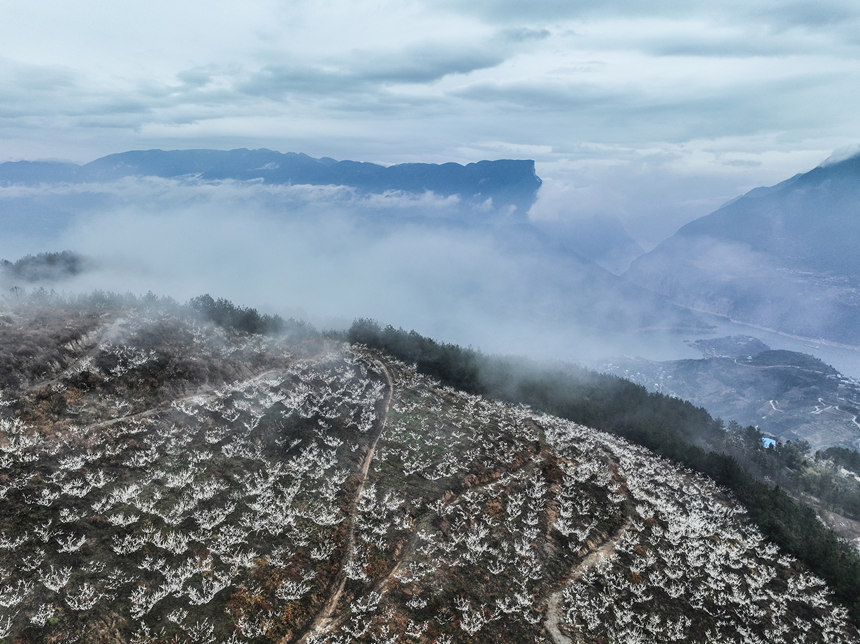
653 111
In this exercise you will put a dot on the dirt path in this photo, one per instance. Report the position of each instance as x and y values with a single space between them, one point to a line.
164 406
553 612
386 583
323 619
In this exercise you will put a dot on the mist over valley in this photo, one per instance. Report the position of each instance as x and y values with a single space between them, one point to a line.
477 271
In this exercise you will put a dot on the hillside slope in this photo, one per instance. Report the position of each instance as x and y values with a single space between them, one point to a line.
783 257
166 480
786 394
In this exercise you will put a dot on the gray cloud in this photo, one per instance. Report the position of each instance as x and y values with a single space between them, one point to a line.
525 34
29 90
506 11
546 97
806 15
368 71
426 63
283 80
741 45
193 79
826 13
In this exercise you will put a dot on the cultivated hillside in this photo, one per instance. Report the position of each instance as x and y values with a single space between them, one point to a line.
168 480
783 257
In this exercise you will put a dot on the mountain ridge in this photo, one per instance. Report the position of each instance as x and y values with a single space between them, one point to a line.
781 257
506 182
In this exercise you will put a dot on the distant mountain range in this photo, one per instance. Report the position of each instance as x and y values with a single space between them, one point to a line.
507 183
784 257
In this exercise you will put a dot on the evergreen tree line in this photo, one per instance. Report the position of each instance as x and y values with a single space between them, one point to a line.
842 457
670 427
45 266
221 312
226 314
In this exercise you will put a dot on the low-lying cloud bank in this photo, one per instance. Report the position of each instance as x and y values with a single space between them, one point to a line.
480 277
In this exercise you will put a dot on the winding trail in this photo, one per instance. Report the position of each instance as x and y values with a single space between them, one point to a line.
211 393
553 612
385 584
323 619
